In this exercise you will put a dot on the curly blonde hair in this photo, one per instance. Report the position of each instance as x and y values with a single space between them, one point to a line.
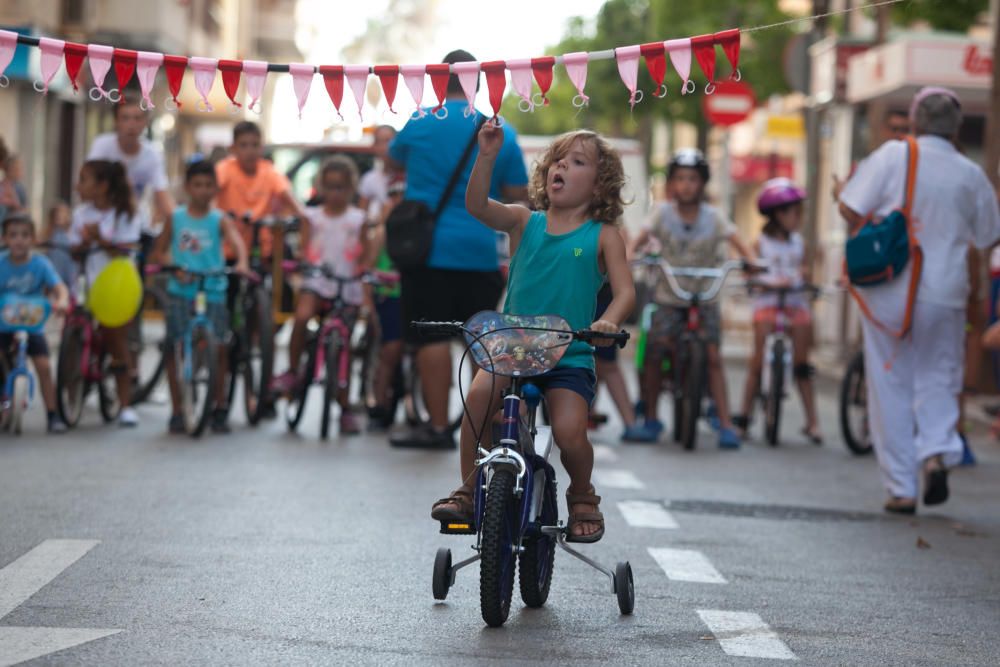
607 204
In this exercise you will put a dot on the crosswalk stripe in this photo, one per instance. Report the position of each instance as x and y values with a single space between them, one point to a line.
745 634
645 514
686 565
618 479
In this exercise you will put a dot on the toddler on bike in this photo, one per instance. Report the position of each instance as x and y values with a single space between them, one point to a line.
561 256
26 273
105 226
788 264
332 238
192 240
690 234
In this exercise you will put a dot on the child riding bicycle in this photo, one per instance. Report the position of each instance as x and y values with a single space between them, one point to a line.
690 234
781 249
192 237
25 273
562 255
333 237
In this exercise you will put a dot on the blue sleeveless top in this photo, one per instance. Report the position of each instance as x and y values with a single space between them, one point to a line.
196 244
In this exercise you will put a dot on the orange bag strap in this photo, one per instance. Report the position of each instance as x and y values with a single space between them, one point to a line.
916 252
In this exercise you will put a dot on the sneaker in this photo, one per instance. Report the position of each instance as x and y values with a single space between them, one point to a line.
656 425
349 423
284 383
220 421
712 416
57 425
641 432
728 439
176 425
968 458
423 437
128 418
379 418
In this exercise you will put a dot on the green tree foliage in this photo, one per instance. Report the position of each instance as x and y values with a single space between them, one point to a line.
625 22
955 15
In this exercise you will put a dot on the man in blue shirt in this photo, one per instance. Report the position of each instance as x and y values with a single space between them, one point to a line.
462 275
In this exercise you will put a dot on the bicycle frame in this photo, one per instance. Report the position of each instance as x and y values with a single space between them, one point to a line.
19 369
334 324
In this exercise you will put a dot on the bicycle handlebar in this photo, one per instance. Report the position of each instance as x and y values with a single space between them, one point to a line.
154 269
288 223
718 276
585 335
377 278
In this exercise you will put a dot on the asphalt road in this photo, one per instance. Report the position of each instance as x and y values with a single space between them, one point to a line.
133 547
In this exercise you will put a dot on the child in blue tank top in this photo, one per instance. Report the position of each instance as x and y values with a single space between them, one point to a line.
561 256
192 240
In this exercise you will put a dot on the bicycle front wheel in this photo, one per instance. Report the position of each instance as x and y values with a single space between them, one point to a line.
71 384
147 345
499 539
259 362
198 383
332 383
692 374
296 406
775 394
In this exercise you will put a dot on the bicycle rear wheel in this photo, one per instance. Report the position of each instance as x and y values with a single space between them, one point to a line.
854 407
499 538
71 384
147 345
296 407
198 381
107 389
774 394
691 387
535 563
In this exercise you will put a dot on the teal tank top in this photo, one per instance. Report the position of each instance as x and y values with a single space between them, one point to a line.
196 244
558 275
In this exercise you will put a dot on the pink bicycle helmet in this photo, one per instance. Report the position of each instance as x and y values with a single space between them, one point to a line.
779 192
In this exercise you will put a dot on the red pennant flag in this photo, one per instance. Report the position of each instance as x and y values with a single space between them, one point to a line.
704 50
542 67
388 76
124 69
496 81
729 40
75 53
333 79
174 67
439 73
656 62
231 70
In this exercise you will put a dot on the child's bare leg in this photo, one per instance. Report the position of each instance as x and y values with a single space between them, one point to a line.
717 385
43 369
305 309
172 381
801 335
388 361
117 339
568 411
610 373
752 387
652 377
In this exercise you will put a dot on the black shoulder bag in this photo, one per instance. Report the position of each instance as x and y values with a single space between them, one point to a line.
409 229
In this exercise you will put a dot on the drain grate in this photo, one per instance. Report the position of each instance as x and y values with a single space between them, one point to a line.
776 512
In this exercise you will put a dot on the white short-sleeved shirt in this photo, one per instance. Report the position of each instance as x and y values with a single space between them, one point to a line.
784 258
336 242
114 228
954 207
374 185
146 170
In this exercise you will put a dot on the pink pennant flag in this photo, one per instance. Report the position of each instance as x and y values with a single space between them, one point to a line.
520 81
147 64
204 78
51 59
628 69
255 75
468 76
680 56
576 68
8 44
357 79
99 58
413 77
302 78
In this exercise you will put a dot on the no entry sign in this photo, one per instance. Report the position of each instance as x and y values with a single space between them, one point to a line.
731 103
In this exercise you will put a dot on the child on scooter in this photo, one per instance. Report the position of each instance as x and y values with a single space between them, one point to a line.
561 256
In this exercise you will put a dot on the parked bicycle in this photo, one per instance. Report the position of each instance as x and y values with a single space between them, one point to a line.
516 511
20 316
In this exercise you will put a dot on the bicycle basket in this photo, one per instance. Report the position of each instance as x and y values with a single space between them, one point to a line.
23 313
517 345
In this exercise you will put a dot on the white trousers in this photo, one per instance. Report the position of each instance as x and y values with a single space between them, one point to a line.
913 392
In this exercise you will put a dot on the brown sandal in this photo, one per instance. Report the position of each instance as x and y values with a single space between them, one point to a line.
583 517
457 508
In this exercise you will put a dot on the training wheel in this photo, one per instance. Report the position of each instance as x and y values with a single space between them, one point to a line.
442 573
624 587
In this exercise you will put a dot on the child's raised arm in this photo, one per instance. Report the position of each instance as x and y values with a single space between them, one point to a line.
502 217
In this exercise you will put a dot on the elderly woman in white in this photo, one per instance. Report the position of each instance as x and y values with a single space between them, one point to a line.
914 383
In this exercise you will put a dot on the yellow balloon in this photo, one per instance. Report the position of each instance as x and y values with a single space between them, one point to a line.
116 294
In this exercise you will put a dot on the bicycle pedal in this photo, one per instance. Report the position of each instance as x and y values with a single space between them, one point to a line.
457 528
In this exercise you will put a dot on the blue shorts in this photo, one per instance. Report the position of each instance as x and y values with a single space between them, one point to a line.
390 318
580 380
37 345
180 311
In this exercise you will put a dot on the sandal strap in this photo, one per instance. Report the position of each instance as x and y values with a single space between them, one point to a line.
586 517
583 499
462 497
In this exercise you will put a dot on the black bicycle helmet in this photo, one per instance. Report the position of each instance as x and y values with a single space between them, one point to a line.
691 158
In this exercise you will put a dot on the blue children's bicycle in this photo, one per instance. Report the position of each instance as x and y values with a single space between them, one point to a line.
20 315
516 518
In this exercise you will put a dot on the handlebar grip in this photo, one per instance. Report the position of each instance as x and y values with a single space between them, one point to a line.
620 338
441 328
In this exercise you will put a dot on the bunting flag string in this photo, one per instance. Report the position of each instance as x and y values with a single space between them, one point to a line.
144 66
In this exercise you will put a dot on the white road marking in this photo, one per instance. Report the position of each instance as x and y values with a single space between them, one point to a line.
618 479
686 565
25 577
645 514
745 634
605 454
